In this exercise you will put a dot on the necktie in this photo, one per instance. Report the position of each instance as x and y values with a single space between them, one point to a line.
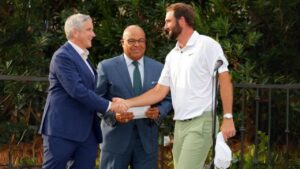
137 82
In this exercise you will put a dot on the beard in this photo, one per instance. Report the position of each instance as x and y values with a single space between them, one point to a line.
173 33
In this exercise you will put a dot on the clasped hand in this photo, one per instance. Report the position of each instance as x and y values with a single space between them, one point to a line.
120 107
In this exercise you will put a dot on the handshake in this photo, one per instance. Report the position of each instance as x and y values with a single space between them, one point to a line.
122 113
119 105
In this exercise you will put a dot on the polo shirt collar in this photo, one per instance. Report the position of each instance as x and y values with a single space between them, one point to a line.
192 40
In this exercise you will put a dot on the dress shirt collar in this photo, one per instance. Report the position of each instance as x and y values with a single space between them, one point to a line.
129 61
83 53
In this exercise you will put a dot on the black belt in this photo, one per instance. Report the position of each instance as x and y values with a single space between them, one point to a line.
185 120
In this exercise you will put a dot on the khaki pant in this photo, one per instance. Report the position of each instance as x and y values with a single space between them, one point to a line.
192 142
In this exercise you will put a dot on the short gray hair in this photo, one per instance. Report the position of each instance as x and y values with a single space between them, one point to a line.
75 22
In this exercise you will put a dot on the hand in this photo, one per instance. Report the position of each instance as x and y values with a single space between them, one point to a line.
124 117
228 128
152 113
118 105
118 99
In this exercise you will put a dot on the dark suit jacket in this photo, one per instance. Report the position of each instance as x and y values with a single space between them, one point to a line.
72 104
114 81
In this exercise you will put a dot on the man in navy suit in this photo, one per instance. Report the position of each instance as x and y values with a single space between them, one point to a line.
70 127
128 141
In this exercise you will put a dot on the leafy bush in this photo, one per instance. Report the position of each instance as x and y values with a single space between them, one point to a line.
260 39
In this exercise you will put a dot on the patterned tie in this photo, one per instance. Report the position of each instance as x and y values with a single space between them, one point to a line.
137 82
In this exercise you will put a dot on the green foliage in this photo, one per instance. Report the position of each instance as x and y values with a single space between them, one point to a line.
26 161
255 33
14 133
251 32
263 160
260 39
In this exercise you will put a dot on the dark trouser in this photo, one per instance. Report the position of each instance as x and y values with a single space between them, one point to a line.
135 156
58 151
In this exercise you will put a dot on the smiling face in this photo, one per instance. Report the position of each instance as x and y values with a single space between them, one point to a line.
84 36
134 42
172 27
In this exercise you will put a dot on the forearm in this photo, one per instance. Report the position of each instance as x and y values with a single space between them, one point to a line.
226 91
150 97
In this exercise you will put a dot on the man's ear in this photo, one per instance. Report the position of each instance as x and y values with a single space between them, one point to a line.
181 21
122 42
75 33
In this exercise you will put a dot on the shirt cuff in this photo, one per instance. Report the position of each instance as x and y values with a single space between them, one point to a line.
109 105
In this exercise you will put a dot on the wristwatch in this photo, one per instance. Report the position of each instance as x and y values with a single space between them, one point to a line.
227 116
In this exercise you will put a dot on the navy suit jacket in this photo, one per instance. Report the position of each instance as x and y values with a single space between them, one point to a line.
72 104
114 81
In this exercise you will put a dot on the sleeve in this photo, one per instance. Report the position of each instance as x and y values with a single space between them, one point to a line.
215 52
164 78
69 77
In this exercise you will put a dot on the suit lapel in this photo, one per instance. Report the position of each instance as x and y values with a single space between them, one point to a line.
86 74
94 71
147 72
122 69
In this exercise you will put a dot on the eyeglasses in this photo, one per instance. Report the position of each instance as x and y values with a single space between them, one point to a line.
134 41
